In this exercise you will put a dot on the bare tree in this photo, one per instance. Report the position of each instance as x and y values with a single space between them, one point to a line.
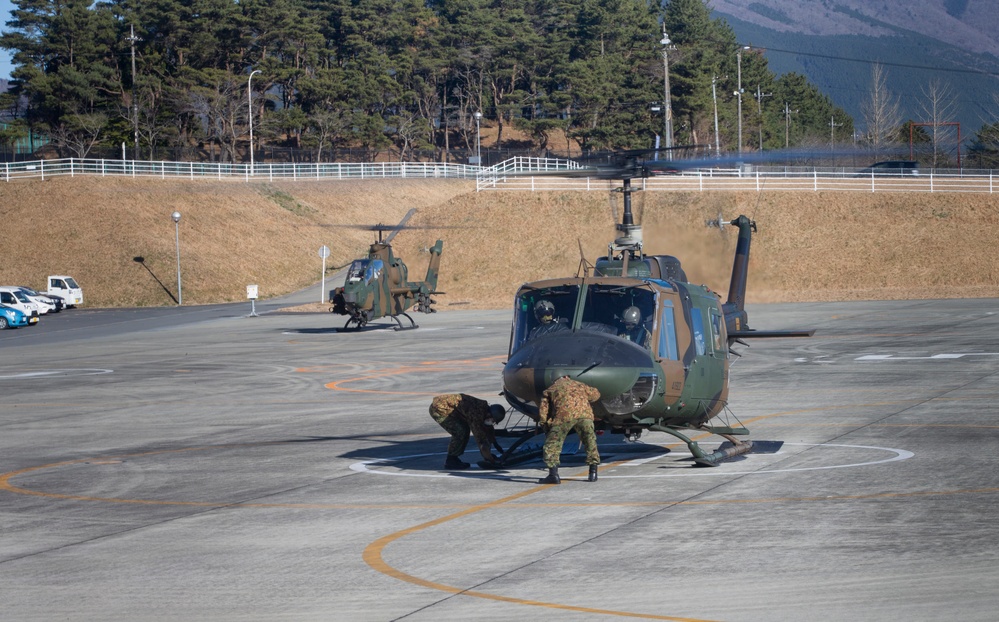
880 111
327 127
79 132
222 108
938 106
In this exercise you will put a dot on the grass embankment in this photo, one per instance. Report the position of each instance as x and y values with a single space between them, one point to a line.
810 246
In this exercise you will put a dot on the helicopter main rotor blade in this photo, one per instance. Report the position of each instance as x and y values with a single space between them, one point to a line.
399 227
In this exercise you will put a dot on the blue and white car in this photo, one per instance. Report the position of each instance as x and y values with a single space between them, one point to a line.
12 318
14 297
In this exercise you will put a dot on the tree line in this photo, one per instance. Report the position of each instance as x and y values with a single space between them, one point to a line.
406 77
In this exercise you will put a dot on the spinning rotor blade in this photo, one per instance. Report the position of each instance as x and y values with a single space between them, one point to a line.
631 165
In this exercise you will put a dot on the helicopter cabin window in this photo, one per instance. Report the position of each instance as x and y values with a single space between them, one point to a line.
716 333
667 333
697 325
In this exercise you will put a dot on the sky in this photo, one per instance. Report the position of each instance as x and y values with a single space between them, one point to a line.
5 66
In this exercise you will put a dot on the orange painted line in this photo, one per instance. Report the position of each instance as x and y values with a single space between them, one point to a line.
373 557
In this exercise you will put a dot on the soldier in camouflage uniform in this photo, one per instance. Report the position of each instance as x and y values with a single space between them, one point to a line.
462 415
566 406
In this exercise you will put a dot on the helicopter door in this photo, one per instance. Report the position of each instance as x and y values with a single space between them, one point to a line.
667 353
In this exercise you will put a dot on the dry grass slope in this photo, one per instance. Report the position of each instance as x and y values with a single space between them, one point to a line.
810 246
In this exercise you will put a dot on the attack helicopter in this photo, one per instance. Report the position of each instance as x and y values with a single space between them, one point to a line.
378 286
656 346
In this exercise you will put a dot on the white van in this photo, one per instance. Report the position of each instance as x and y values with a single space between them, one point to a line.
66 288
14 297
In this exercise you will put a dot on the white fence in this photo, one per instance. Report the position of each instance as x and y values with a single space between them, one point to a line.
44 169
515 174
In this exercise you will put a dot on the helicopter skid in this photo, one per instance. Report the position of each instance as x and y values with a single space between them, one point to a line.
720 455
701 458
400 326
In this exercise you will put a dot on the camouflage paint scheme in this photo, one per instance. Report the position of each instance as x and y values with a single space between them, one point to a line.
378 286
678 381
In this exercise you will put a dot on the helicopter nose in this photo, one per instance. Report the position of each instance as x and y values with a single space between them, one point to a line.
604 361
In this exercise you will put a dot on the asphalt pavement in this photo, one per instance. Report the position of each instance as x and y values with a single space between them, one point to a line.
200 464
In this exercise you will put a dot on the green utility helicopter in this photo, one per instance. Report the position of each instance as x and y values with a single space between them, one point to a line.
378 286
656 346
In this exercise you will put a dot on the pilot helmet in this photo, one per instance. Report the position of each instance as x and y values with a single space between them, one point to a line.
631 317
544 310
496 413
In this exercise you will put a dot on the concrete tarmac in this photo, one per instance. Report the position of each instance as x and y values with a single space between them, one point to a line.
271 468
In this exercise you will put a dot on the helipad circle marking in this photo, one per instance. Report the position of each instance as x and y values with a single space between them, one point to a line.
48 373
370 466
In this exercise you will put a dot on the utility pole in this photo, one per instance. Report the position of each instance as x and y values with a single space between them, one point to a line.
832 131
668 121
714 98
135 102
787 122
738 92
759 110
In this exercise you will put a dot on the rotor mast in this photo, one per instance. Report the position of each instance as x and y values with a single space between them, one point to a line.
628 244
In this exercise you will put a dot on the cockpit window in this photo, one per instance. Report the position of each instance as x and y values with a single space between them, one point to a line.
366 270
626 312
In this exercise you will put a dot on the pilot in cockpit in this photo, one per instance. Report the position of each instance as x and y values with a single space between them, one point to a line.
544 311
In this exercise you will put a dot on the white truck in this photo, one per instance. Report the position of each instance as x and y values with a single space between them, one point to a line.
66 288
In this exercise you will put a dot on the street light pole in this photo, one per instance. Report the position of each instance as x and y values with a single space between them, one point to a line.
135 102
478 139
249 104
176 228
714 98
668 121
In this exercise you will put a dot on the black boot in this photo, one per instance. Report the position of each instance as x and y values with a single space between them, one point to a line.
454 463
593 473
552 478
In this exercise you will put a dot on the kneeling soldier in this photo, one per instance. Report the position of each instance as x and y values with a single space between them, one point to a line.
462 415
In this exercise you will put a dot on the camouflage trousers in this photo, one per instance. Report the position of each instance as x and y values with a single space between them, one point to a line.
458 430
555 438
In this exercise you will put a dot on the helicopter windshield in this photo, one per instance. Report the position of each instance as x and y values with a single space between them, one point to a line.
605 309
366 270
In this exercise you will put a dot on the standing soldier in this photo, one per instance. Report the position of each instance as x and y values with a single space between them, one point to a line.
566 406
461 415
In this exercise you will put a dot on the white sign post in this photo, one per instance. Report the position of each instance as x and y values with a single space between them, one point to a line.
324 252
251 293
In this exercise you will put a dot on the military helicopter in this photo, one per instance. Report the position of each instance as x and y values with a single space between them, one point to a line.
656 346
378 285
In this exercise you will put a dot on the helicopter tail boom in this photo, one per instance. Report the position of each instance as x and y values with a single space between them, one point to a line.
435 262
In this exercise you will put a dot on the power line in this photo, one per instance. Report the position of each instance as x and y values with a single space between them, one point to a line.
976 72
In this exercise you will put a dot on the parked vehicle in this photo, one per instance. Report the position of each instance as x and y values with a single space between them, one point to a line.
13 318
891 168
14 297
66 288
52 303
